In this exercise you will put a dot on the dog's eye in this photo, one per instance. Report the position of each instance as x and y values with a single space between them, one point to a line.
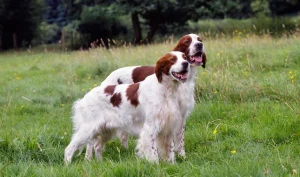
199 39
187 42
173 59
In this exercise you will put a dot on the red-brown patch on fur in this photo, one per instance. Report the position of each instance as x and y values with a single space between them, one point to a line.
140 73
163 65
183 44
132 94
203 59
109 90
116 99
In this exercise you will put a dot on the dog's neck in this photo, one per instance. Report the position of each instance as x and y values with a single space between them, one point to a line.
170 83
193 72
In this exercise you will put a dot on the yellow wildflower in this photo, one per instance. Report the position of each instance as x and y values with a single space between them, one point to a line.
215 132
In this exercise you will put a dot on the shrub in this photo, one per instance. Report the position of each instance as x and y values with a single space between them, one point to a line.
47 33
100 25
260 25
73 38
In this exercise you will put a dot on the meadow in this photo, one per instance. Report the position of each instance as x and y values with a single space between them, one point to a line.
246 121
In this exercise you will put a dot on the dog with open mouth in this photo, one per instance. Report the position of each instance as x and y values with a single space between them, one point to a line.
192 46
148 109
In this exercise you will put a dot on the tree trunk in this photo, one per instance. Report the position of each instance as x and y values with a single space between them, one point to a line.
151 33
0 42
62 39
15 42
136 28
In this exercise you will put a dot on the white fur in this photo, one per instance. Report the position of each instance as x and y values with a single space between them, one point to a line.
154 119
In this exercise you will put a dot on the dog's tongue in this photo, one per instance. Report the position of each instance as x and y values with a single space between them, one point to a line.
197 59
184 76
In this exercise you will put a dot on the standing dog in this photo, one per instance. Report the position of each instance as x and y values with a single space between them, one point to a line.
149 109
193 48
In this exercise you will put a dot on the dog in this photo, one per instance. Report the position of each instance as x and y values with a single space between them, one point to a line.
148 109
193 48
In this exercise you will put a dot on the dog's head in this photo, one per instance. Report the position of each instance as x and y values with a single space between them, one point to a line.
173 64
191 45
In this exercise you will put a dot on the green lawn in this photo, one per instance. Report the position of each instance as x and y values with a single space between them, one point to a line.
246 121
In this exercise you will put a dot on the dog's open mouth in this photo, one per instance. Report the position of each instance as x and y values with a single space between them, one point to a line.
182 75
196 58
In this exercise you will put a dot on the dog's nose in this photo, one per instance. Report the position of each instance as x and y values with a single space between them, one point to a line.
185 65
199 45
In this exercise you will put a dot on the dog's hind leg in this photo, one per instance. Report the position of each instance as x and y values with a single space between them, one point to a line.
100 142
89 150
123 138
79 139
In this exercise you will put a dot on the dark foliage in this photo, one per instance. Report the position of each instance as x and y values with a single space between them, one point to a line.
55 13
283 7
19 17
100 25
99 20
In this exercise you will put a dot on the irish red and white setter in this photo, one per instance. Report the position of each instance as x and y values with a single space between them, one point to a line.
149 109
193 48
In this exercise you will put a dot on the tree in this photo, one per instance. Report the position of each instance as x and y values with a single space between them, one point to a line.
156 15
99 24
55 12
219 9
260 8
74 7
283 7
19 18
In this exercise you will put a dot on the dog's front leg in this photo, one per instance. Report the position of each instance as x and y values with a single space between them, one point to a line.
146 146
170 149
179 140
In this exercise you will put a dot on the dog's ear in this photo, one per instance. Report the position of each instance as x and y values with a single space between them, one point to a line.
203 59
159 68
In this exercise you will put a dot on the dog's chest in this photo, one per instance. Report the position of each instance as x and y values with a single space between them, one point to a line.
186 97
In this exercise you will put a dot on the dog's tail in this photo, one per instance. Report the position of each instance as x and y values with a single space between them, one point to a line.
77 115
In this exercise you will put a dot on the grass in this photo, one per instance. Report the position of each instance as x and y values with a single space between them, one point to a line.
246 121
